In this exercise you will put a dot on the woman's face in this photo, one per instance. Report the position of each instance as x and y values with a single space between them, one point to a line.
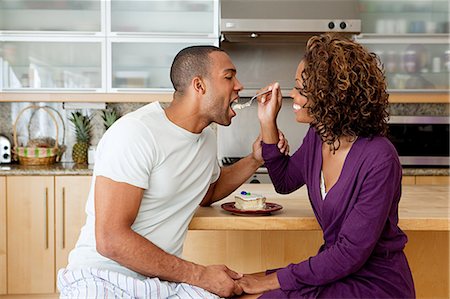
301 112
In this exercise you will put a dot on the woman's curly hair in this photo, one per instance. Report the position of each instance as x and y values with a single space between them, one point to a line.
346 89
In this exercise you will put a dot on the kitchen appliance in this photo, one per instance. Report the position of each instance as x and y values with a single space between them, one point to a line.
263 18
421 141
5 150
266 39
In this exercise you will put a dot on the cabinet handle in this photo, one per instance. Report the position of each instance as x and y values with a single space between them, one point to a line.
46 218
63 218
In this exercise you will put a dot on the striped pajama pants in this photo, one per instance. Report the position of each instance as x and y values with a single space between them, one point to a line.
93 283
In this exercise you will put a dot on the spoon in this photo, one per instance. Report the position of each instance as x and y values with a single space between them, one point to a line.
238 106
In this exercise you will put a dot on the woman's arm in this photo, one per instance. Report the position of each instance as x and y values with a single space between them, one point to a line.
358 236
284 170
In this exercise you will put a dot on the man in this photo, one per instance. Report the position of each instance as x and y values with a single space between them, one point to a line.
153 168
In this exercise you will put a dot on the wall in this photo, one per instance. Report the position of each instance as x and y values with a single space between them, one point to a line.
42 125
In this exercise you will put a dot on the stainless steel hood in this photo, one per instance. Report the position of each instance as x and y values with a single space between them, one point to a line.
266 38
286 19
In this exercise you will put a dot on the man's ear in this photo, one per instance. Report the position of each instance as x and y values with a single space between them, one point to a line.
199 85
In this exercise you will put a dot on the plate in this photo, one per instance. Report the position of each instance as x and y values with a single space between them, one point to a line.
270 207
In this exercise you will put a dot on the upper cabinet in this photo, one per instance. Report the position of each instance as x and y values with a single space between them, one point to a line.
52 16
143 64
400 17
143 38
411 38
53 64
190 18
98 46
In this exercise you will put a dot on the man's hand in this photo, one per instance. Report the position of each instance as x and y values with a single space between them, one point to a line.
257 150
283 144
257 283
220 280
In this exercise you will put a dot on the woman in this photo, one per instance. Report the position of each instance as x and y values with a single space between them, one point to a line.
352 173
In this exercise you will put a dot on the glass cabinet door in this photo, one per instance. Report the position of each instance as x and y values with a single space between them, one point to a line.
186 17
411 38
144 65
52 64
398 17
52 16
414 65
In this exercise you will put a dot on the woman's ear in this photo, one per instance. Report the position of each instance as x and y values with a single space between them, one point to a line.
199 85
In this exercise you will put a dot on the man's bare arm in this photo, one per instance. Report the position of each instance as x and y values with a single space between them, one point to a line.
231 177
116 208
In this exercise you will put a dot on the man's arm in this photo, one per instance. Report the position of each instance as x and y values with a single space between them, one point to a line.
231 177
116 208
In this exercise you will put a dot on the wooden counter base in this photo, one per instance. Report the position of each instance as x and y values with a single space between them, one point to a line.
254 244
255 251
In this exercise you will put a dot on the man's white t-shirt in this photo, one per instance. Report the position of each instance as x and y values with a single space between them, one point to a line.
174 166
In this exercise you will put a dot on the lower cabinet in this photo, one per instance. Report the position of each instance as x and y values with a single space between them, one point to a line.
45 214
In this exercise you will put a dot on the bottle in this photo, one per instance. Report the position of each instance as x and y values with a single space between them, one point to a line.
436 65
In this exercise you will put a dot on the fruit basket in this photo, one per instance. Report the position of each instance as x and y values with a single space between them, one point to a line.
36 153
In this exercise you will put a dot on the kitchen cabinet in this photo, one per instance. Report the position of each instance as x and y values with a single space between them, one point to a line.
30 228
144 36
45 214
2 235
143 64
71 193
118 51
411 39
55 17
187 17
53 64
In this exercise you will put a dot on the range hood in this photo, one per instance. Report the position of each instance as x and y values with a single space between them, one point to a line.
266 20
266 39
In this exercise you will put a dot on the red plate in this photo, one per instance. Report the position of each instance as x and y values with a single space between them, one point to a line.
270 207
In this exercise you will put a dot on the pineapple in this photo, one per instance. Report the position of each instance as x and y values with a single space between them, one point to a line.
83 128
109 117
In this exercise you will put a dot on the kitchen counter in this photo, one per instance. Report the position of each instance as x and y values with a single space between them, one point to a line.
84 169
422 208
53 169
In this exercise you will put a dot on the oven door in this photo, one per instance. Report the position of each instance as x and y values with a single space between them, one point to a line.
421 141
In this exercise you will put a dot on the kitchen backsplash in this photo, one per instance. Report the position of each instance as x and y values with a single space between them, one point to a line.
41 124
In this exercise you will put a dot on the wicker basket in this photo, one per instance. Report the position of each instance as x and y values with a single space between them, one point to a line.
36 155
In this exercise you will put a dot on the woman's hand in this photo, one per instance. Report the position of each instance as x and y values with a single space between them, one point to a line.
257 283
268 107
269 104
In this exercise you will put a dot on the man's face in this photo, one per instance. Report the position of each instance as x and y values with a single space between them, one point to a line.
222 88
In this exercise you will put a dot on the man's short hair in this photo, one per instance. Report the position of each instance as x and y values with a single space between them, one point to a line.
190 62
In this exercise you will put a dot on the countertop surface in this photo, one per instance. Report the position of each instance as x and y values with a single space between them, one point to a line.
422 208
84 169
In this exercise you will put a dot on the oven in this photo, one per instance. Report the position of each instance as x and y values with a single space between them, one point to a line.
421 141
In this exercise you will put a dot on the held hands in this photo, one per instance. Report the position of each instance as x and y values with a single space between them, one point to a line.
258 283
220 280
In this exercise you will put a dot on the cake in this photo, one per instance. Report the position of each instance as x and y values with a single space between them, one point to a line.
249 201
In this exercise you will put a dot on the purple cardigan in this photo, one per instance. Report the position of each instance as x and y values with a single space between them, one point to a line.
363 251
